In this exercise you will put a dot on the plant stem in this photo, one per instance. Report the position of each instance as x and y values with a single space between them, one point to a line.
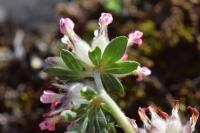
115 111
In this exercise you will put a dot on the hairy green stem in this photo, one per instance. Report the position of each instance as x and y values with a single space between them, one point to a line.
115 111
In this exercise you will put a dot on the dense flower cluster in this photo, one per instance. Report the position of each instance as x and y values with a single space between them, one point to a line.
161 122
70 98
81 48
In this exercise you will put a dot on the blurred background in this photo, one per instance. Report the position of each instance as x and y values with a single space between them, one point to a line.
29 32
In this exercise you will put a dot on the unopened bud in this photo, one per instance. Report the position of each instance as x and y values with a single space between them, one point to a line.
105 19
66 24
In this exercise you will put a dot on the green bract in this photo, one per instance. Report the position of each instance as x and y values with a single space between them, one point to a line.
93 119
121 67
62 73
112 83
71 61
115 50
95 56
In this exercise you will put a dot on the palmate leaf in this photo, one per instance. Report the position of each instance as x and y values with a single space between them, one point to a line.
95 56
115 50
121 67
112 83
71 61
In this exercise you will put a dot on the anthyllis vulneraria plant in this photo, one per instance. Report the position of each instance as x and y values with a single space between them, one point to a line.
86 71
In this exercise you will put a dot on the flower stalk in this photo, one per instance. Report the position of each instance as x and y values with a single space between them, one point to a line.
115 111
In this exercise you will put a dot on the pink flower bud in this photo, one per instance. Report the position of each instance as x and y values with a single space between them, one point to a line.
66 24
105 19
48 96
133 123
141 72
145 71
162 114
145 119
47 124
195 116
124 57
55 104
135 37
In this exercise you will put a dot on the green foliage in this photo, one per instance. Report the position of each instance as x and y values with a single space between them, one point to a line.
112 83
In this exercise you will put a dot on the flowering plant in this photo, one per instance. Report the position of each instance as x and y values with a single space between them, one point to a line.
84 105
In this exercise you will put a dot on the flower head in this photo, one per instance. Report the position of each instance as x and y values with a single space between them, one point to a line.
81 48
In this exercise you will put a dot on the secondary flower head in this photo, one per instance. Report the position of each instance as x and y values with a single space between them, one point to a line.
69 99
66 24
161 122
105 19
135 37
